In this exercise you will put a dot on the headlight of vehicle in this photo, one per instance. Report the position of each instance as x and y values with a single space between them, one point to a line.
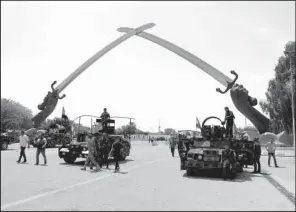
199 157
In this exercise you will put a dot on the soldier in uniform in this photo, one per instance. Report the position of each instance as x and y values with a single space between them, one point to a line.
92 152
229 119
105 116
228 156
115 151
104 146
173 144
256 156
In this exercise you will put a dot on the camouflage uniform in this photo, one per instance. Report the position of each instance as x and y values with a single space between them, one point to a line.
256 156
173 143
91 154
104 146
228 157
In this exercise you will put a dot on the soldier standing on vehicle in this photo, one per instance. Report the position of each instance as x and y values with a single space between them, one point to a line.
91 153
40 148
24 142
256 156
105 116
173 144
115 151
228 156
229 119
270 147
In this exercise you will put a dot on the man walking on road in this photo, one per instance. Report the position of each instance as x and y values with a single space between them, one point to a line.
270 147
115 151
256 156
91 153
40 145
173 144
24 142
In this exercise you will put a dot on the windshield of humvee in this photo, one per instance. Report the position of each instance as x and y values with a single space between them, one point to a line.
189 134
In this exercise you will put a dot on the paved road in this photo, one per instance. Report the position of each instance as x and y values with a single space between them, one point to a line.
150 179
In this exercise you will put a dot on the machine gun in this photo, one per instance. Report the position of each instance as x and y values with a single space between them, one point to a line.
211 133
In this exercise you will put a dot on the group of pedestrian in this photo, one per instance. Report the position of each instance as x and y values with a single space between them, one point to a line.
98 149
40 144
270 148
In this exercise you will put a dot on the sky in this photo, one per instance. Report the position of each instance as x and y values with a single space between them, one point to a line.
46 41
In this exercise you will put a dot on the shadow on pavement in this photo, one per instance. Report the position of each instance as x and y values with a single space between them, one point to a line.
217 176
10 149
81 163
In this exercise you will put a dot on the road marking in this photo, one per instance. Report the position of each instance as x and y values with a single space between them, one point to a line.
280 188
32 198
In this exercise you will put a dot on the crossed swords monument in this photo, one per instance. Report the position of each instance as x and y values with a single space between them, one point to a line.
242 101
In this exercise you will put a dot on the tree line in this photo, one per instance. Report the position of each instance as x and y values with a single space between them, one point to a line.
278 103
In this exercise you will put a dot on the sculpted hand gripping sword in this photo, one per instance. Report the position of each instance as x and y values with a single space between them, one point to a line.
207 68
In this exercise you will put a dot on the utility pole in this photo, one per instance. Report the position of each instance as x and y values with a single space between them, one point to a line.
291 55
159 125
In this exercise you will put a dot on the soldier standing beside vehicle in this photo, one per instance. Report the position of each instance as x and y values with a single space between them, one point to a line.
105 116
228 157
256 156
104 150
24 142
181 146
40 148
115 151
270 147
91 153
229 119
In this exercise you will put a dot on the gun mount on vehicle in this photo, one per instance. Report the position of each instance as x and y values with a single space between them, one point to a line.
206 151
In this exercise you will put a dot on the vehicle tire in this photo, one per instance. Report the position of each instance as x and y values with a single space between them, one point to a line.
70 159
189 172
4 145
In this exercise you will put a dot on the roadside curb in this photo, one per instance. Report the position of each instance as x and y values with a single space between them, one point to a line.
281 154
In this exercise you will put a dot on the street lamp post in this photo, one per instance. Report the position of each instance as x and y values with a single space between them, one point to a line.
291 55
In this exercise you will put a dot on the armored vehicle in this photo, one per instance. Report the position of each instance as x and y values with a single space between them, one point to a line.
78 147
206 151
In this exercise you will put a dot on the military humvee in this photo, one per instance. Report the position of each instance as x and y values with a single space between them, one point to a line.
78 147
206 150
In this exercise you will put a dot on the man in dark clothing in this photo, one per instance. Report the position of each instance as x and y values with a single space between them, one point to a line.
115 151
228 157
105 116
229 119
256 156
173 143
104 150
40 148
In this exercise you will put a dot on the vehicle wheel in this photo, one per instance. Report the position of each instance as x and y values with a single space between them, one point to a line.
189 172
70 159
4 145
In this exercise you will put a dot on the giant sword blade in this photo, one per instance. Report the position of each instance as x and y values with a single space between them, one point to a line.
51 99
204 66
